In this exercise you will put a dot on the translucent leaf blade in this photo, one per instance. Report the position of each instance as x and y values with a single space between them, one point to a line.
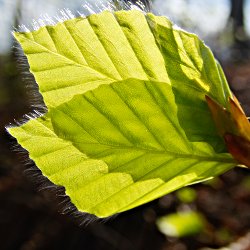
127 118
133 142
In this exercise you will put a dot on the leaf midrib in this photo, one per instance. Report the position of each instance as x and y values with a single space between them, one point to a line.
167 152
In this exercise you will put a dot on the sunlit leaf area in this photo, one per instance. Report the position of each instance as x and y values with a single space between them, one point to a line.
114 145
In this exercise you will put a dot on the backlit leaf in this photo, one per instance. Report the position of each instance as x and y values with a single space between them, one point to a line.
127 118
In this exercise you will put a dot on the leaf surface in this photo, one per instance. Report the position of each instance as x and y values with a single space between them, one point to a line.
127 118
124 147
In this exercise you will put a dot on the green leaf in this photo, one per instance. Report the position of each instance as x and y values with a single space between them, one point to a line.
181 224
186 195
127 119
124 147
80 54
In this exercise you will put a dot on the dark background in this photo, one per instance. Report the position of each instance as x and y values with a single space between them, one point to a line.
33 217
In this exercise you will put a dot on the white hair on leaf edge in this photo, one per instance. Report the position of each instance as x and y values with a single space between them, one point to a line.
35 99
62 202
88 8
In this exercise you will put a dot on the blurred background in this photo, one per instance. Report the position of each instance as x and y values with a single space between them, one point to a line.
213 215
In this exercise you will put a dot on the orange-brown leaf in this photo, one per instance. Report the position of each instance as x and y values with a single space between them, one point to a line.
234 127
